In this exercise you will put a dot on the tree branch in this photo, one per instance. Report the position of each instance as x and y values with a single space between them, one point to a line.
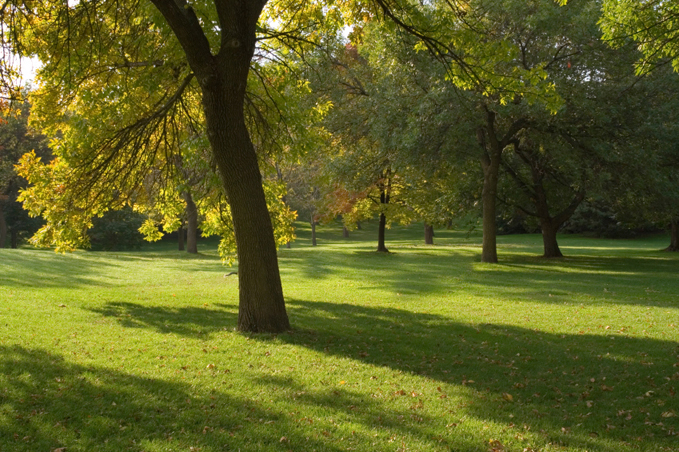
185 25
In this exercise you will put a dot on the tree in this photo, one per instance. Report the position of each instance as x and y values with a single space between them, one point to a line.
653 27
16 138
106 60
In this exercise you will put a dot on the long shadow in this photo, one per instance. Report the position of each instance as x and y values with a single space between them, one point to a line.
46 269
640 279
570 387
594 392
184 321
643 280
47 403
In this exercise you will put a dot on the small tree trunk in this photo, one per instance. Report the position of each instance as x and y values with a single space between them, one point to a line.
3 227
192 224
428 234
288 245
358 226
313 231
345 232
674 236
549 242
381 247
15 239
180 234
490 178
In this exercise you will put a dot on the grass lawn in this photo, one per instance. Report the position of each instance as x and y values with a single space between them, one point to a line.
423 349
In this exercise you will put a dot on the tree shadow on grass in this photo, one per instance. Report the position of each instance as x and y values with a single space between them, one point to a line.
185 321
592 392
584 391
48 403
618 280
46 269
634 280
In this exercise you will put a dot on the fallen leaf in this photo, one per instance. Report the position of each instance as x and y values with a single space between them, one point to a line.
668 414
507 397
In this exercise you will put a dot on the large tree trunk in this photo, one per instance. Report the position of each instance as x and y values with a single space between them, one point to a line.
551 247
428 234
180 235
3 227
492 146
489 196
223 80
674 236
261 307
191 224
312 221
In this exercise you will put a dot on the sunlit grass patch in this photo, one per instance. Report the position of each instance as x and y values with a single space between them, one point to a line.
422 349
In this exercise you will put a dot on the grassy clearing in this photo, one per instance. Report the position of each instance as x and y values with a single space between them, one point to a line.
424 349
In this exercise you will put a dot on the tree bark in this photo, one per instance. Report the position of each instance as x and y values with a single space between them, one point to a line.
345 232
550 245
492 146
381 229
180 234
381 246
3 227
312 221
489 196
674 236
191 224
428 234
550 225
223 79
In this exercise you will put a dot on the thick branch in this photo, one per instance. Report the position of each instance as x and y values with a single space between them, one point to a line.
185 25
565 214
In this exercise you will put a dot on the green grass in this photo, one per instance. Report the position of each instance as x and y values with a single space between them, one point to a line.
423 349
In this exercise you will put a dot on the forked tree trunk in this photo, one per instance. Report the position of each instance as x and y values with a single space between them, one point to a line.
345 232
551 247
191 224
312 221
674 236
492 146
428 234
3 227
180 234
223 79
